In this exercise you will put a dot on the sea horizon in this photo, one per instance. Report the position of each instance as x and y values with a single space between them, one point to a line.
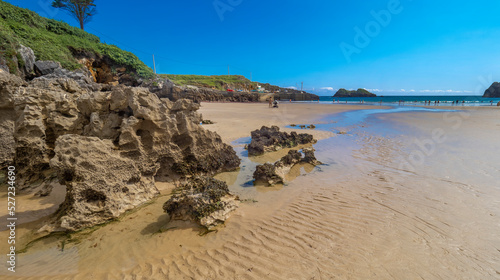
444 100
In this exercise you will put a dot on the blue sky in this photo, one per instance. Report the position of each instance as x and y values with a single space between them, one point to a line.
409 47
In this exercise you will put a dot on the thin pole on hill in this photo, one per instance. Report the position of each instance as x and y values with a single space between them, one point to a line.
154 64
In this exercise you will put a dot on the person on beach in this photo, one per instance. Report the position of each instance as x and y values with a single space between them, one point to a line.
270 102
275 103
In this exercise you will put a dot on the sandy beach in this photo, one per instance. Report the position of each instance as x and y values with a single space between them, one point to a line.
237 120
406 195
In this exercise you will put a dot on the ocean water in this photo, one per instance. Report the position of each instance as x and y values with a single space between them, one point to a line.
415 100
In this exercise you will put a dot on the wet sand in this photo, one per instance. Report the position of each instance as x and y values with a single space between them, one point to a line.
411 195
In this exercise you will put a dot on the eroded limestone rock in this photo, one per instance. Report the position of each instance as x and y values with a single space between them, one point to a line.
101 184
156 138
272 174
8 85
268 139
204 200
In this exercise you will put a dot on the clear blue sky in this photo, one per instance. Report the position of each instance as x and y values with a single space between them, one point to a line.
428 46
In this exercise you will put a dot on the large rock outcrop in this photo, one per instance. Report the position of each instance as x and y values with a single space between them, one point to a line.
271 174
101 183
204 200
199 94
28 58
268 139
8 85
156 138
493 91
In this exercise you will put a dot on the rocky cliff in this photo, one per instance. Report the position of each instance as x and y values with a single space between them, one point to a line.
241 85
493 91
107 144
166 89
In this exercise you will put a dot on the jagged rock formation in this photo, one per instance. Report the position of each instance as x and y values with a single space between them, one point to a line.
155 139
271 174
46 67
493 91
101 183
266 174
269 139
204 200
353 93
309 156
28 59
8 84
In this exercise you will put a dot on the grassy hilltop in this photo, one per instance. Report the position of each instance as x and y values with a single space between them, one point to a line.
220 82
55 40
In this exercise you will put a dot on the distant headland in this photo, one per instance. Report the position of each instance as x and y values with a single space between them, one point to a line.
354 93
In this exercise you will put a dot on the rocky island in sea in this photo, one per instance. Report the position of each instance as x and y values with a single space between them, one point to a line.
493 91
353 93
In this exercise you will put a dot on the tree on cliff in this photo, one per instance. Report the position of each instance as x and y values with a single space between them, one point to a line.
81 10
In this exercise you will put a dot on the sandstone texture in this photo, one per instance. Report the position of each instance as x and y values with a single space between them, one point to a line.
268 139
107 144
204 200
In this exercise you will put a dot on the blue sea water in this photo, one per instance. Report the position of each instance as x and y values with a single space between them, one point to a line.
415 100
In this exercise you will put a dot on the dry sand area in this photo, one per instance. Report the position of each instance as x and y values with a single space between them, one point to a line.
237 120
393 201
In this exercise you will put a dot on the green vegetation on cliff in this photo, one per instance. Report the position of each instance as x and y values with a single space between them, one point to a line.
221 82
57 41
353 93
238 82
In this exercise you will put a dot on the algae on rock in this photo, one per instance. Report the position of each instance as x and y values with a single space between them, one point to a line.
204 200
